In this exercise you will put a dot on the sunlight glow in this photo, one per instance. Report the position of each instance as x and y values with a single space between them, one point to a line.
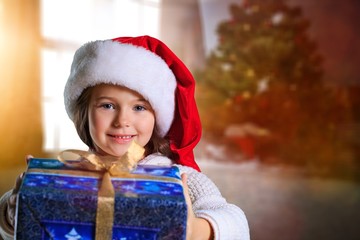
58 128
1 10
2 28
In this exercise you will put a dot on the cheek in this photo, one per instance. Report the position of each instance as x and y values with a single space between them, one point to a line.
96 122
151 124
147 126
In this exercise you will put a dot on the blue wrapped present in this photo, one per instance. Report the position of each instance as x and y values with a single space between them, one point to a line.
59 202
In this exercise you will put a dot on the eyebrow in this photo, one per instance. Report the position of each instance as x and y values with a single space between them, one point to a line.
113 99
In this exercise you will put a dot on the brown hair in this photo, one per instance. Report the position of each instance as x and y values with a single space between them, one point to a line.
81 122
81 117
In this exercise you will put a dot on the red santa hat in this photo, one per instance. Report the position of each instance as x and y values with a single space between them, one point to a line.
148 66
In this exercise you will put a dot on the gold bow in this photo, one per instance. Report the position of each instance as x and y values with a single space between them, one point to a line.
109 166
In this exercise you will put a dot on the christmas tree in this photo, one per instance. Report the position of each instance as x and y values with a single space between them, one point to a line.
266 70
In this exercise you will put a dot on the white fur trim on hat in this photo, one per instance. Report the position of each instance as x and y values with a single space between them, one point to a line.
127 65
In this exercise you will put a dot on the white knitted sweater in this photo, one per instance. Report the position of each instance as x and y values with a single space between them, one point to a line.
227 220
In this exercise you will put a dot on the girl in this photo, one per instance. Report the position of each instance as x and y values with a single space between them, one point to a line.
136 88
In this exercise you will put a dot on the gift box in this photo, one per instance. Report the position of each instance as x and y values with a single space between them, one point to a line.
59 202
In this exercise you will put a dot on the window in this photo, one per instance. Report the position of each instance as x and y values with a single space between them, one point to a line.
65 26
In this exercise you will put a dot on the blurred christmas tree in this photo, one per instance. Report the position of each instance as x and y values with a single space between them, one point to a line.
267 71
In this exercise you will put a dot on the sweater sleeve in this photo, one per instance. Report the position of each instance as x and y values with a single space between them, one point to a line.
6 231
227 220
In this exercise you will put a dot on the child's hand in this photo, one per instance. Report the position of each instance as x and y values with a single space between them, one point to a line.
11 202
197 228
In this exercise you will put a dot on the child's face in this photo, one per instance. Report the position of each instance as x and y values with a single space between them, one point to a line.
117 116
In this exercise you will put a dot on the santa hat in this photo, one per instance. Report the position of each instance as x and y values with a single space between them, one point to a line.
149 67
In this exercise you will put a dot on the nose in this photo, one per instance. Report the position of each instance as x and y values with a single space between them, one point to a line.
122 119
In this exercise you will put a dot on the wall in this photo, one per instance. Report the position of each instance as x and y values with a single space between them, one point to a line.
181 30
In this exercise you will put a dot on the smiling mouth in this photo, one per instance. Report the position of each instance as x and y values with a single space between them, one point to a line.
122 137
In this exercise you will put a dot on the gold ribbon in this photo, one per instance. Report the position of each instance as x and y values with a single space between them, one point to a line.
108 166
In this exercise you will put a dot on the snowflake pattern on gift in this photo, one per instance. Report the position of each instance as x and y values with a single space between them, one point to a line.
68 231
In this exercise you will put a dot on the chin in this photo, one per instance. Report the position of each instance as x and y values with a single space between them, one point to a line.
109 152
117 153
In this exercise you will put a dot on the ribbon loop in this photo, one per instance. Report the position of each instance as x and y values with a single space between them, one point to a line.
109 166
113 165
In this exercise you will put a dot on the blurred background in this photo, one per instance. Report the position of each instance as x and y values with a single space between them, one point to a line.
278 90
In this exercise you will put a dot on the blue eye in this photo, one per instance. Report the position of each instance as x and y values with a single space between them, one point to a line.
107 106
139 108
